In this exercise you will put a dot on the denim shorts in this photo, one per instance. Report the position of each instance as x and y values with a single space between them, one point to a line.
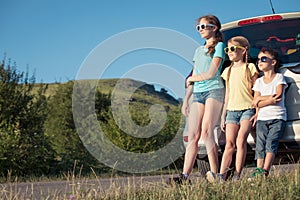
217 94
235 117
268 134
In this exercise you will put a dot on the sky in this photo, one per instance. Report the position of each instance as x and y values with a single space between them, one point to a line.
53 39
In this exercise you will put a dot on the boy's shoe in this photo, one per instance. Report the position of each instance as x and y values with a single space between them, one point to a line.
259 172
213 177
266 173
180 180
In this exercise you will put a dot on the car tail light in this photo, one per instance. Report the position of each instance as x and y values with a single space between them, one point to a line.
271 18
185 138
259 20
249 21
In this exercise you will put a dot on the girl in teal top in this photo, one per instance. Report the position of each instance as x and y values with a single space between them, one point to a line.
208 92
202 66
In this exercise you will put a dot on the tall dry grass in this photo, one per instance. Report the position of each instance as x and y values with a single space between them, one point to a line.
279 185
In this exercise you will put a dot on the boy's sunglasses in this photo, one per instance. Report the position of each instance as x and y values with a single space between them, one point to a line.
232 48
203 26
263 59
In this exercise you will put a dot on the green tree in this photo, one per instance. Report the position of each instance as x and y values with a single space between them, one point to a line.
60 128
24 149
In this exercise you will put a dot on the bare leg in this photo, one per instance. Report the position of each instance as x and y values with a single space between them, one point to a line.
195 118
241 144
231 134
260 162
268 161
211 117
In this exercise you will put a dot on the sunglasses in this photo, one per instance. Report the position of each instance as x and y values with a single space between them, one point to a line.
203 26
263 59
232 48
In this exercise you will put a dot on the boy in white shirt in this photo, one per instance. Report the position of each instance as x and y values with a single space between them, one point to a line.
271 114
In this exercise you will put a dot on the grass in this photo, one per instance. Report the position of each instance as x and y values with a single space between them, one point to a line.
278 185
275 187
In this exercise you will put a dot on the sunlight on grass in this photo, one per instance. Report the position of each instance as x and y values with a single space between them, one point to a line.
279 185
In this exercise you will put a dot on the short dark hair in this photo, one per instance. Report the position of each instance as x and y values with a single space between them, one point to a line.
274 54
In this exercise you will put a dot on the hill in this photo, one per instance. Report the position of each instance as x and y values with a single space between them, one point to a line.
144 92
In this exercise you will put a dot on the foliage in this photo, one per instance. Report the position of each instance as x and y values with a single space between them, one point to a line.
37 130
24 147
61 130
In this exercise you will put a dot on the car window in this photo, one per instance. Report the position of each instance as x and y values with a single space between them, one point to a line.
283 36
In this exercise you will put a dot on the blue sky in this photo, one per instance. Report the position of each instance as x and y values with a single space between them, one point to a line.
54 37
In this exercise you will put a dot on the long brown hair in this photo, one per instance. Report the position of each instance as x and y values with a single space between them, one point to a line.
219 36
242 41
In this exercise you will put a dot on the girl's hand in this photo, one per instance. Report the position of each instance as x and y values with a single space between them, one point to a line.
222 125
255 102
274 99
189 82
185 109
253 119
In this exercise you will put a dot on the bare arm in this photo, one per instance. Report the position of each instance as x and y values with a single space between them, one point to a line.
257 95
262 101
223 116
253 78
185 105
214 66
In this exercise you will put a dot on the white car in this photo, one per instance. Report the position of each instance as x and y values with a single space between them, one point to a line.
280 32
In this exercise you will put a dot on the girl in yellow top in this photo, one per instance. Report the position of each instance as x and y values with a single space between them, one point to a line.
237 111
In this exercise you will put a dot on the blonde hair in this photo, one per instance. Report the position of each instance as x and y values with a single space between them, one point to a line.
242 41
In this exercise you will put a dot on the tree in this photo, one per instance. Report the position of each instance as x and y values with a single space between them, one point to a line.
61 130
24 149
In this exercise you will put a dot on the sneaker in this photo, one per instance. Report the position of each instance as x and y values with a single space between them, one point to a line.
220 178
235 178
213 177
265 172
180 180
258 172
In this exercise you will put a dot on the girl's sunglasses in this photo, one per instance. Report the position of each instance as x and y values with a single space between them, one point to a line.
232 48
263 59
203 26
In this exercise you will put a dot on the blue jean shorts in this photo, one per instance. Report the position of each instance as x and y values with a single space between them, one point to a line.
268 134
235 117
217 94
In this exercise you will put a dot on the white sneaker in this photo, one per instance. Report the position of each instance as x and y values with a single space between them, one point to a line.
210 176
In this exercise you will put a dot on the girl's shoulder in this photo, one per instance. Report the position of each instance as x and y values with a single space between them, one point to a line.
222 44
251 65
252 68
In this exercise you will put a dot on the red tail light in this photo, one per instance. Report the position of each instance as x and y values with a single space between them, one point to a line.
259 20
249 21
185 138
271 18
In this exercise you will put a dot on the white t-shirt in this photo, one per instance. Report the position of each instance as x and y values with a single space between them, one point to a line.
277 111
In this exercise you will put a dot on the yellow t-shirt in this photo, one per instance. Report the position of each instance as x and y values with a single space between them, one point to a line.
240 98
